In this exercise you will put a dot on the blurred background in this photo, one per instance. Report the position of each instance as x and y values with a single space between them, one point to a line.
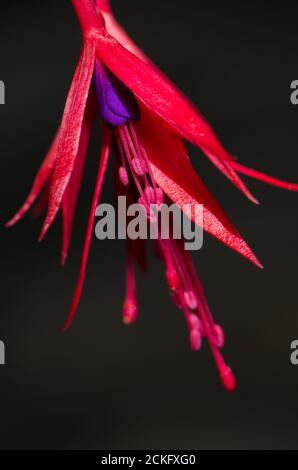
103 385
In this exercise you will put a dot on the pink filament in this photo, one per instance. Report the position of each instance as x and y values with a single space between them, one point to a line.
123 176
186 289
188 294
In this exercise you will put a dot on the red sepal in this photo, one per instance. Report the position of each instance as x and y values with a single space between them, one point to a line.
174 174
70 131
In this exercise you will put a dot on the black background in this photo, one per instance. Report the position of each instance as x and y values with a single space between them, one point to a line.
102 385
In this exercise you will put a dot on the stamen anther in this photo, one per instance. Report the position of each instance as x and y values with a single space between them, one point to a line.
139 166
228 379
123 176
219 336
195 322
195 340
130 311
173 279
150 195
191 300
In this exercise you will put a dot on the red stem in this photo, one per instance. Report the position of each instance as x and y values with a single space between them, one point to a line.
103 5
88 17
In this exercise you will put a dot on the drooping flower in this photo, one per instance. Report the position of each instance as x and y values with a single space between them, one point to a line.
145 119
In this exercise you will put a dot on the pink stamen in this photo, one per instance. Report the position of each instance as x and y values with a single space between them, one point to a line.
130 312
210 331
130 307
195 340
219 336
123 176
195 336
198 286
173 279
135 149
149 194
194 322
141 151
181 267
190 299
124 146
139 166
187 292
228 379
142 202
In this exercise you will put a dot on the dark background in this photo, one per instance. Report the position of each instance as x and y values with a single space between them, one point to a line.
102 385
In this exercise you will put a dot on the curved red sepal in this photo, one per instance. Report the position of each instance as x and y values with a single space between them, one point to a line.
104 157
258 175
40 180
70 131
42 203
175 175
70 197
163 98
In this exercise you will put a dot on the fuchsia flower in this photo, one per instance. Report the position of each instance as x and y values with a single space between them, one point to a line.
146 120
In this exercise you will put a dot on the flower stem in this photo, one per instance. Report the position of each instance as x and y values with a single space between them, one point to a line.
103 5
88 17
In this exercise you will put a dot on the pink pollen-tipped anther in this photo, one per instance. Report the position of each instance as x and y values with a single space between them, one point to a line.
139 166
123 176
195 340
130 311
219 336
150 195
190 300
228 379
173 279
195 322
